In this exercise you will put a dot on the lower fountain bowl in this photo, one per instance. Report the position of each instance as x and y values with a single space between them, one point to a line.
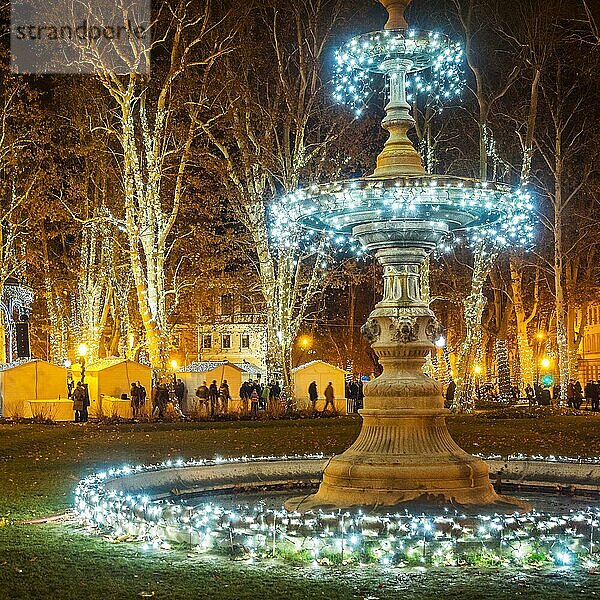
232 507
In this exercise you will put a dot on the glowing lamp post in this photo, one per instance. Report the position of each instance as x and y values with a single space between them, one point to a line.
82 351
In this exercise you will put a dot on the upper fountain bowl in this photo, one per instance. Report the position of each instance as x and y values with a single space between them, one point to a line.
370 51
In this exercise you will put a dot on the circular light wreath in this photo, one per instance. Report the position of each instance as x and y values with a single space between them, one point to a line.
363 56
352 537
452 202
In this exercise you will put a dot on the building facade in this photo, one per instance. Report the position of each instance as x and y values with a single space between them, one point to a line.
588 354
237 332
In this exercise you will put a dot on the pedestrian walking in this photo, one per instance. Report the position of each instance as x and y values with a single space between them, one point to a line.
329 397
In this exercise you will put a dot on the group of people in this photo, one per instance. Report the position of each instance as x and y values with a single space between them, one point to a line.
313 396
167 394
576 394
254 395
214 399
539 395
355 395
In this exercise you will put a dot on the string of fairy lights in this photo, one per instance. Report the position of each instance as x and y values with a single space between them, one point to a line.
436 67
255 532
487 210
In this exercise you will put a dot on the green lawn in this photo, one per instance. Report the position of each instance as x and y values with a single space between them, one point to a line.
41 464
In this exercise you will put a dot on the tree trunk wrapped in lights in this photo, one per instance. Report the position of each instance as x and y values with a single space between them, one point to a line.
471 345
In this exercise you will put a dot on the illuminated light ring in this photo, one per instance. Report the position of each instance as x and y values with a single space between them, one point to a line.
455 203
368 51
386 539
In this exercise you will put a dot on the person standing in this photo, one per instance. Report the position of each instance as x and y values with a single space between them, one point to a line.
179 391
202 395
264 396
529 394
245 392
78 397
578 400
313 395
595 395
224 397
360 394
213 397
450 391
135 400
254 403
329 397
275 394
571 393
141 391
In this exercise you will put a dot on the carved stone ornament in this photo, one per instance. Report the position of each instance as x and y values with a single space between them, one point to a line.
406 329
431 329
371 330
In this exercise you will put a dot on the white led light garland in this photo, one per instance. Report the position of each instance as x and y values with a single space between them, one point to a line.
400 539
436 69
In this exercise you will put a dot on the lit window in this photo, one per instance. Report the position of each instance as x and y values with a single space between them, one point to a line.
226 341
207 341
245 341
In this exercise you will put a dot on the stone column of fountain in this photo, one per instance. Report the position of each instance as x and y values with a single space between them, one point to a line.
404 452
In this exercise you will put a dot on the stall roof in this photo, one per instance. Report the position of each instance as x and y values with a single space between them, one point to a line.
314 362
203 366
106 363
249 368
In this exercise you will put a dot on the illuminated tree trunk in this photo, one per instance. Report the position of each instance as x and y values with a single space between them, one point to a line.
526 360
470 351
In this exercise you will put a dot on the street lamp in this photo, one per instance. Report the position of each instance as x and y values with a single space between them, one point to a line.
545 362
82 351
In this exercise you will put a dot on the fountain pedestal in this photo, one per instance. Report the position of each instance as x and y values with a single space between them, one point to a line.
404 452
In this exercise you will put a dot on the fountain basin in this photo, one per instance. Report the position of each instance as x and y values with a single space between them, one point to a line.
231 507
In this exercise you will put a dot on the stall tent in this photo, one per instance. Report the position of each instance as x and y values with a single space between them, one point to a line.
322 373
234 373
110 378
35 388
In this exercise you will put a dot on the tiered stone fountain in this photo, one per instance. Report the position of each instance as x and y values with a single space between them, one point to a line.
404 452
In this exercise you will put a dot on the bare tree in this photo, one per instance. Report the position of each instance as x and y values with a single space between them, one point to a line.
155 121
276 137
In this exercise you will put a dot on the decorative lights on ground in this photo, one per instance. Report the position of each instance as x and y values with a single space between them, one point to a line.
340 537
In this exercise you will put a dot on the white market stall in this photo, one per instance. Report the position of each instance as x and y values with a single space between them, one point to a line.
34 389
108 379
322 373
